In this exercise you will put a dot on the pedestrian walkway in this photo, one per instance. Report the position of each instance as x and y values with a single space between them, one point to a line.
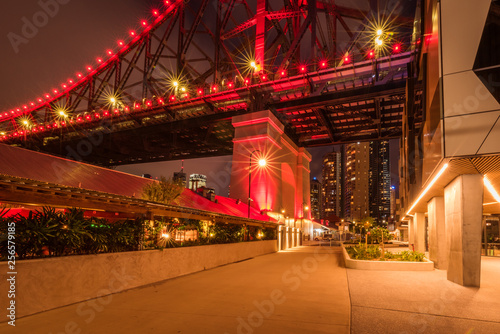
406 302
303 290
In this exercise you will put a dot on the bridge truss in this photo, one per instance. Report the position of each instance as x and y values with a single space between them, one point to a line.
169 90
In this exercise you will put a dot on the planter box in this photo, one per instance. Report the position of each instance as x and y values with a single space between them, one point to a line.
44 284
387 265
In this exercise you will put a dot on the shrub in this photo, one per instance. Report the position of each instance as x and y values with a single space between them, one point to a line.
163 191
376 234
359 252
54 233
412 256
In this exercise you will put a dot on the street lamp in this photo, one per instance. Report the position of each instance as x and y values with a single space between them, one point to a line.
262 163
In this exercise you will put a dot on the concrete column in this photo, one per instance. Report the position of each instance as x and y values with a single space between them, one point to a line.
438 248
419 228
463 215
411 233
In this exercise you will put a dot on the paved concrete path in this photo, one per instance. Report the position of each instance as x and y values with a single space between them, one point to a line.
408 302
304 290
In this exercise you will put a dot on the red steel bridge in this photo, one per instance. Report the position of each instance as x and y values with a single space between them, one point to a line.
331 73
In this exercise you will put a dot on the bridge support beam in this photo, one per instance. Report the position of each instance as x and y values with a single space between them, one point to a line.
281 187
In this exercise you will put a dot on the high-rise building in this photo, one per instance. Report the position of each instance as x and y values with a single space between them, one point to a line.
379 181
180 177
197 181
316 199
357 167
332 188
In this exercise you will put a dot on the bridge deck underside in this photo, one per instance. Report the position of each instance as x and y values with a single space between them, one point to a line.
315 73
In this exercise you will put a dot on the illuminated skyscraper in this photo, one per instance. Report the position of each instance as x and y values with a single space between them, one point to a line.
197 181
332 189
356 181
380 181
316 199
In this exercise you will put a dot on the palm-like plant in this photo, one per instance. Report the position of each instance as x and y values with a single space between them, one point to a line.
34 233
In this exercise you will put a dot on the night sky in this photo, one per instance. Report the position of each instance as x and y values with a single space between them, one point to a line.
42 48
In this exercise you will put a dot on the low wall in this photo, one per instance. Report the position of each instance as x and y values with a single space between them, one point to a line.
387 265
44 284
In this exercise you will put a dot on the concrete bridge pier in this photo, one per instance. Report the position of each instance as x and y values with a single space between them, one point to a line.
281 187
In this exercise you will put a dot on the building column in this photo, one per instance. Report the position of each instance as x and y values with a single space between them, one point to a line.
419 229
463 215
411 233
438 248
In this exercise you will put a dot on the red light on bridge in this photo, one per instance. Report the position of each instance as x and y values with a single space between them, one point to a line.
370 54
347 59
132 33
70 81
214 88
247 81
105 113
167 2
149 103
117 111
137 106
64 86
264 77
47 96
160 101
283 73
397 48
144 23
40 100
25 107
200 91
99 60
303 69
323 64
155 12
121 43
32 104
55 91
172 98
89 68
88 117
230 85
79 75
